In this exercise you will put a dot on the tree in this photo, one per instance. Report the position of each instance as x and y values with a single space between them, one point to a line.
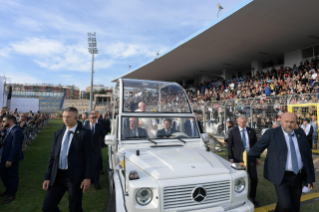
102 91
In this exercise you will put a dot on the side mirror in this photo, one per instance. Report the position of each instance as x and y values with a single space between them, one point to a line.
110 139
205 137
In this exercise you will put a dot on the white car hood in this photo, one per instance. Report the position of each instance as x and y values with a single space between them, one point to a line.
173 162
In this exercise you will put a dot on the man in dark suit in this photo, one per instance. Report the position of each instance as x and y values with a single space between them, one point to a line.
105 123
98 133
288 162
167 130
134 131
190 128
85 118
11 155
70 166
308 129
240 139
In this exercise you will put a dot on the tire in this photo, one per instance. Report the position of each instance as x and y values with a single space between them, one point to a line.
111 205
110 179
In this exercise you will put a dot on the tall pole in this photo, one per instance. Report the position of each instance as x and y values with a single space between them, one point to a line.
93 50
91 93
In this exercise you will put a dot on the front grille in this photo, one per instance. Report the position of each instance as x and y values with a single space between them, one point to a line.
181 196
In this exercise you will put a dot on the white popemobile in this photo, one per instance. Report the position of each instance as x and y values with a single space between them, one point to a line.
158 160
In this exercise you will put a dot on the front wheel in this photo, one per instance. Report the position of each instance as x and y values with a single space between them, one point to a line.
111 205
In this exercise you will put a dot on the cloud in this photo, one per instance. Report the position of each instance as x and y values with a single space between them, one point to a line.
125 50
55 55
37 47
21 77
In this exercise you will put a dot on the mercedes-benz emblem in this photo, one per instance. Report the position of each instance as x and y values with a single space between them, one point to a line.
199 194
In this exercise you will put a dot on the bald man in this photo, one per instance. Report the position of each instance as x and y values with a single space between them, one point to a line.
288 162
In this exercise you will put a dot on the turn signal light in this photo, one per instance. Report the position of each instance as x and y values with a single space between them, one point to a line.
134 175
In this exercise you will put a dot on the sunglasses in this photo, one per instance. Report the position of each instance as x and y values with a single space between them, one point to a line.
93 117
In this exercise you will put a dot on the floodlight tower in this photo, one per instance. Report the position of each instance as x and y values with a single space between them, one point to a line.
219 7
93 50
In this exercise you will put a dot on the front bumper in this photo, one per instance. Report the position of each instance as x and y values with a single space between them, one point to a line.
247 207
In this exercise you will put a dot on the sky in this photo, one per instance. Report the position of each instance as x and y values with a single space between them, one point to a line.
46 41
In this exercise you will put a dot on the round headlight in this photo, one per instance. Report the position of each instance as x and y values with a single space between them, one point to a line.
144 196
239 185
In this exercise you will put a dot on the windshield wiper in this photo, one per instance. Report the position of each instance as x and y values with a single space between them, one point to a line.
182 140
152 141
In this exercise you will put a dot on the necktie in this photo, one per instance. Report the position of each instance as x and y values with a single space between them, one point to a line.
294 160
64 153
243 137
93 128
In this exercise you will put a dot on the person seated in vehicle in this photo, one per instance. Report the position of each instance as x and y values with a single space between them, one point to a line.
190 128
167 130
133 131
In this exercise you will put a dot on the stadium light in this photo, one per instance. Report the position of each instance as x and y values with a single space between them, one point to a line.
219 7
93 50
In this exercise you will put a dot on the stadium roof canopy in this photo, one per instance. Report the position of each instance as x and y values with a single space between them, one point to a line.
255 30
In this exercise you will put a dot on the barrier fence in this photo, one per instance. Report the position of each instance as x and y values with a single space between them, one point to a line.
31 131
261 112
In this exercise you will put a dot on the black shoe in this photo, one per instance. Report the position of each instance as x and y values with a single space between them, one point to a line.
101 172
3 194
97 186
8 200
255 201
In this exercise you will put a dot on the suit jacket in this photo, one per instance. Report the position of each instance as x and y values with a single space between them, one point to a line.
275 162
12 145
80 157
235 144
105 124
188 128
97 137
141 133
161 133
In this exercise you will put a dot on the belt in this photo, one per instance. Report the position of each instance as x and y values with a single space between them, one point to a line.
292 173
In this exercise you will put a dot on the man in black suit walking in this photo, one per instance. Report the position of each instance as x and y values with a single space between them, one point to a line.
240 139
288 162
134 131
11 156
98 134
105 123
167 130
70 166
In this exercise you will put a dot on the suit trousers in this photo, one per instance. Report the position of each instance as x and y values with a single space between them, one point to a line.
252 172
10 177
97 167
56 192
289 193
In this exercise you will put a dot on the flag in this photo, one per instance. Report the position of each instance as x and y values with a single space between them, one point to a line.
245 158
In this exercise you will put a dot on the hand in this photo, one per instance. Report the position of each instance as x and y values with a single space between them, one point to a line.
313 185
46 185
8 164
232 161
258 161
242 165
85 185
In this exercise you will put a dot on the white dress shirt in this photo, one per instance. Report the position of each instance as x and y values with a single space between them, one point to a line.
246 134
288 162
63 140
91 126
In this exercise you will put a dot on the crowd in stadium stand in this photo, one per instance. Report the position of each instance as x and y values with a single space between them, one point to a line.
296 80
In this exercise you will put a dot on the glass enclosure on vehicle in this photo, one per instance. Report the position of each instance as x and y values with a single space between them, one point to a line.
158 128
154 97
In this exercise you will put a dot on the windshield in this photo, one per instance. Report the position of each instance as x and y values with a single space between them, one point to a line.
158 128
151 96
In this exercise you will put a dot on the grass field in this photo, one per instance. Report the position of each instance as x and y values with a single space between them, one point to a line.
30 195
